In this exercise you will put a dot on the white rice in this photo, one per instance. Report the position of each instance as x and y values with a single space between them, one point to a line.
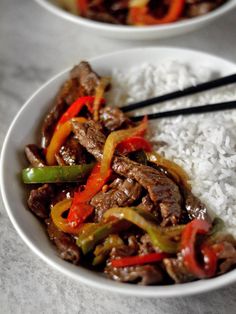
204 145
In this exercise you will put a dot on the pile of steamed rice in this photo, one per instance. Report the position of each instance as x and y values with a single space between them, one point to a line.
204 145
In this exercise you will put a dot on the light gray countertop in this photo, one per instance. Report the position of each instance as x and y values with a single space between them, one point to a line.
34 45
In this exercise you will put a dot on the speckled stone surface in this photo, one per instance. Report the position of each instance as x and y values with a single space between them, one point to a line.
34 45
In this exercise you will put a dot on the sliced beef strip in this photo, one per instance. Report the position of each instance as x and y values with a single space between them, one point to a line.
59 159
63 191
144 275
44 197
147 204
194 207
145 245
121 193
83 81
227 255
177 271
91 137
162 190
34 155
63 99
40 199
72 153
127 250
85 77
65 244
113 118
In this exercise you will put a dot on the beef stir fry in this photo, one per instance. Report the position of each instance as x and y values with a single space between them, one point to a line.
110 203
139 12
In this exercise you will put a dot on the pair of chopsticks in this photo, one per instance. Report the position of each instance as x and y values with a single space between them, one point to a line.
223 81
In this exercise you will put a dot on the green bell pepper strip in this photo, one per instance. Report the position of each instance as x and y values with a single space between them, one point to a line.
94 233
160 237
102 250
56 174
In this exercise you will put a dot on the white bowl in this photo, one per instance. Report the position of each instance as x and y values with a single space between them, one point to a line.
23 130
136 33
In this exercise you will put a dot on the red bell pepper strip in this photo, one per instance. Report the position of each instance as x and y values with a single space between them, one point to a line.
78 213
80 209
138 260
75 109
132 144
188 241
141 15
83 6
94 184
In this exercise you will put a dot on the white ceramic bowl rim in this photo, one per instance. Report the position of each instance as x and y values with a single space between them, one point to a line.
89 277
134 29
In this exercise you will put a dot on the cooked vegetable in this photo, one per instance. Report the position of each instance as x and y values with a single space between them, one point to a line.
94 184
61 223
217 226
58 138
131 214
56 174
116 137
147 222
102 250
133 144
80 210
138 260
210 261
188 249
98 99
175 170
75 109
83 6
78 213
94 233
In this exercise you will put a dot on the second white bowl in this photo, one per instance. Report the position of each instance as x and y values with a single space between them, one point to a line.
137 33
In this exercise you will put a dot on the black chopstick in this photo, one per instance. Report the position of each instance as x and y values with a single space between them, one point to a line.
180 93
186 111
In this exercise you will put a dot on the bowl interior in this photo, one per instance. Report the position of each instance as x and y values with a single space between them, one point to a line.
24 130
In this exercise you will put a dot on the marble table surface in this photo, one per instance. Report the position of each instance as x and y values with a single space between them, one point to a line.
34 45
